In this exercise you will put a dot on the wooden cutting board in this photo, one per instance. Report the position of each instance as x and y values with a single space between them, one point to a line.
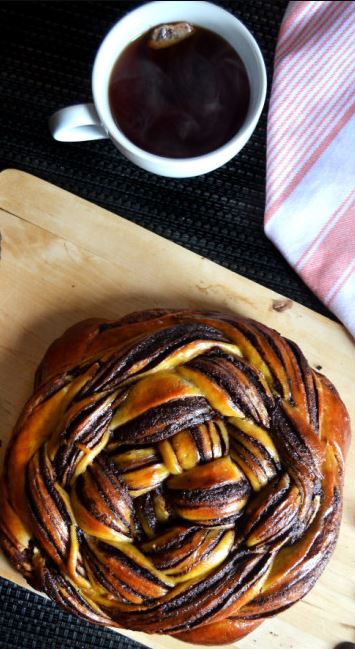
64 259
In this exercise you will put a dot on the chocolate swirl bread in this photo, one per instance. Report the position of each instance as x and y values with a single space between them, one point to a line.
175 472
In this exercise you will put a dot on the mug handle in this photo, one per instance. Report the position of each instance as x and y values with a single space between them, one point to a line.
77 124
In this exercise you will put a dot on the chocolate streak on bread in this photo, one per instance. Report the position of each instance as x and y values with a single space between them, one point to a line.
165 420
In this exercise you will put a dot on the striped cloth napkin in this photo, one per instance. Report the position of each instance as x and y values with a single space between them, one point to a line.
310 194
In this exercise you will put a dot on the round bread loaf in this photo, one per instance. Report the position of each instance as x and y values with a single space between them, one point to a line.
175 472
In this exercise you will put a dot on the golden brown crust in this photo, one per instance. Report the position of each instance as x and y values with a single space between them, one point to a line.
175 472
218 633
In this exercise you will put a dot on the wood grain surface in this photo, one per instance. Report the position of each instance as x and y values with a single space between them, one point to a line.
64 259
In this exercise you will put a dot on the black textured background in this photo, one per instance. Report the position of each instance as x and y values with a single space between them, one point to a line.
46 54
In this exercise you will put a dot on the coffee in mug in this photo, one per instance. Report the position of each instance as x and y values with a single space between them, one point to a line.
181 95
184 130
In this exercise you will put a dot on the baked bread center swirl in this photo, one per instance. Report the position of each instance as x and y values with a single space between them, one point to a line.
175 472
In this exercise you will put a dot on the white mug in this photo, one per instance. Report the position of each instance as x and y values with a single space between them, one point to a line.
95 121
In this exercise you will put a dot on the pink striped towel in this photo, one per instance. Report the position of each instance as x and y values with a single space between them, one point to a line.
310 197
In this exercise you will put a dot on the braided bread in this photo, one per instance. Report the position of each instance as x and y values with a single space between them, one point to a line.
175 472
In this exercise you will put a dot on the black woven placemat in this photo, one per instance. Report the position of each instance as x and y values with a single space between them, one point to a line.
47 50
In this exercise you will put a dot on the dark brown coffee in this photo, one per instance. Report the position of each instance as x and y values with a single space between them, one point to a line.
179 101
